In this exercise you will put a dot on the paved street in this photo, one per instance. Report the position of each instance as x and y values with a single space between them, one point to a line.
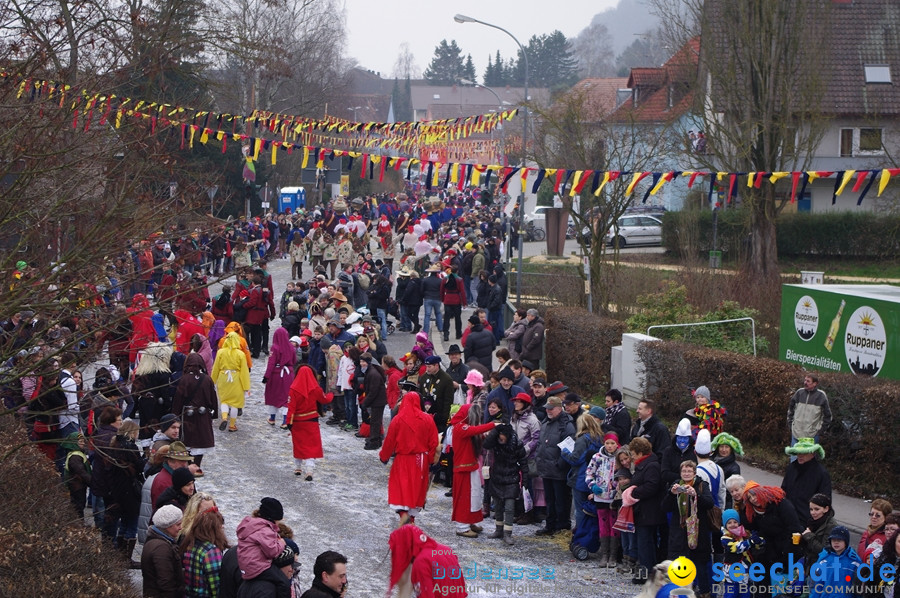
345 507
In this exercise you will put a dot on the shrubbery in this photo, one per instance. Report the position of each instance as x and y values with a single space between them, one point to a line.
832 234
578 348
45 550
862 446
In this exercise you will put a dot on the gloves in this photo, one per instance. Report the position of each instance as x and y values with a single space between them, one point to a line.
596 489
756 540
289 426
265 380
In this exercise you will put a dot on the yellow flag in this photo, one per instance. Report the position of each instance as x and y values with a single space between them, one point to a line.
476 175
777 176
274 154
305 157
602 183
575 180
885 179
848 174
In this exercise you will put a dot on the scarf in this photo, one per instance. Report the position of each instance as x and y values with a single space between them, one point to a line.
611 412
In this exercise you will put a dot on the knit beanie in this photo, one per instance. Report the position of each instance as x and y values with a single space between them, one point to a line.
271 509
167 516
181 477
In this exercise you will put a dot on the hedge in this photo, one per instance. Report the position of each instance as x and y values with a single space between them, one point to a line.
45 549
862 446
858 234
578 348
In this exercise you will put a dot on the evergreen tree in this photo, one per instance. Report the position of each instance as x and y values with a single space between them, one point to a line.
469 69
446 68
402 100
496 75
551 63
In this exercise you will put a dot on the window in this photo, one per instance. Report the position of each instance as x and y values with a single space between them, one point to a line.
878 73
862 142
870 140
846 143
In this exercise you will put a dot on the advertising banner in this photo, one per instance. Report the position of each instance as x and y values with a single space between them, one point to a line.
842 328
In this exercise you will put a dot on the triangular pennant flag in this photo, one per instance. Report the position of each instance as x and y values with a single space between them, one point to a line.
862 195
860 178
795 178
541 173
886 175
656 177
845 177
634 181
837 185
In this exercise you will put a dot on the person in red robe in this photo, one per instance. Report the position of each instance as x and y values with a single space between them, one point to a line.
419 564
467 485
412 439
188 326
142 330
303 420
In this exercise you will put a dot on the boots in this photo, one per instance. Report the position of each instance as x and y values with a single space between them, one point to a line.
232 424
129 550
498 532
604 552
627 565
507 535
614 545
224 423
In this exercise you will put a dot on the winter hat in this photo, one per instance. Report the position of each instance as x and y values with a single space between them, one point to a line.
556 388
598 413
702 391
611 436
840 533
296 340
181 477
432 360
474 378
421 337
728 515
726 438
528 365
684 428
524 397
271 509
167 516
805 446
293 306
285 558
166 421
506 373
702 444
505 429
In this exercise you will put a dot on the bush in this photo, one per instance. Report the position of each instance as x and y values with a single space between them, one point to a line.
831 234
578 348
862 447
45 550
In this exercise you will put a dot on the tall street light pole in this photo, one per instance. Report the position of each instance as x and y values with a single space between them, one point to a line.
464 19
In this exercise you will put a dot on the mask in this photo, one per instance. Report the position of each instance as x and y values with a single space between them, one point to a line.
682 442
739 532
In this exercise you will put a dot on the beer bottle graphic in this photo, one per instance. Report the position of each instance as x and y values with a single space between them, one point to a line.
833 330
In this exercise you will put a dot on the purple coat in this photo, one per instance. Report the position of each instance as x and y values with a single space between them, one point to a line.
280 369
258 544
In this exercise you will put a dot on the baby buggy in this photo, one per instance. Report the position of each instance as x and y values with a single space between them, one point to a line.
586 538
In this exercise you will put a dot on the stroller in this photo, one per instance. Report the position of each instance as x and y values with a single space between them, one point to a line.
391 328
586 538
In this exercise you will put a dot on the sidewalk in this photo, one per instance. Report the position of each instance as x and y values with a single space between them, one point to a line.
850 512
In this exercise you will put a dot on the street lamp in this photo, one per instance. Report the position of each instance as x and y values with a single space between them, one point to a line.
500 104
355 108
465 19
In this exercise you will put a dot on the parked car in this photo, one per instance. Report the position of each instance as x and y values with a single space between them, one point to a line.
635 230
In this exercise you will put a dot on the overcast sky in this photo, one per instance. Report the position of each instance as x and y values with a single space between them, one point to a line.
375 29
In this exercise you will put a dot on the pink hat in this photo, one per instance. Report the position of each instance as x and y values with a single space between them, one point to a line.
474 378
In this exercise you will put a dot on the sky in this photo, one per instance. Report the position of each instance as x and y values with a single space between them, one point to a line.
375 30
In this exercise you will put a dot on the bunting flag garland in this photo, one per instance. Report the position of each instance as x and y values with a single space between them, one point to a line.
333 137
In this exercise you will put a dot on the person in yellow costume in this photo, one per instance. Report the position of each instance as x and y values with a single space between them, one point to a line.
237 328
232 378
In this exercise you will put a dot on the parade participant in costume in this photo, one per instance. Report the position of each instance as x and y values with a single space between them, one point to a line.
232 378
151 387
279 375
412 440
303 420
142 329
421 565
242 339
467 491
196 403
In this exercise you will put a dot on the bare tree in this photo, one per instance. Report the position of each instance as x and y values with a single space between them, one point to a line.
575 133
592 48
405 67
762 93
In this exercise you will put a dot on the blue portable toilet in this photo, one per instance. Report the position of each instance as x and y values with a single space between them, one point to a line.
291 198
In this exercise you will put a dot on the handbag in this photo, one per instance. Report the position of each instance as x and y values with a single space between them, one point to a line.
692 525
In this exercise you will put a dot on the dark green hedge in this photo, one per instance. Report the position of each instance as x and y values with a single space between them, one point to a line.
862 446
834 234
578 348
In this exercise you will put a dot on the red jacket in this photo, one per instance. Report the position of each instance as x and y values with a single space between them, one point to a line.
453 294
464 457
257 310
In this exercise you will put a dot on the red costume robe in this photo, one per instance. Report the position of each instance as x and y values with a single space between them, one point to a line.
465 466
412 440
303 414
433 568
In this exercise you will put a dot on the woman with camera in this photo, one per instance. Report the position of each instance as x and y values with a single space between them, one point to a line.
195 403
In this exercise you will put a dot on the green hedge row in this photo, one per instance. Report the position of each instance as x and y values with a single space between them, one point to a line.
862 446
857 234
578 348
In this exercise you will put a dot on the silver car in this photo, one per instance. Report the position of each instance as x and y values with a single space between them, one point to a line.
635 230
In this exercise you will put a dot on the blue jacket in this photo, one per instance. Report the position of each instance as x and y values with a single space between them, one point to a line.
585 448
849 563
